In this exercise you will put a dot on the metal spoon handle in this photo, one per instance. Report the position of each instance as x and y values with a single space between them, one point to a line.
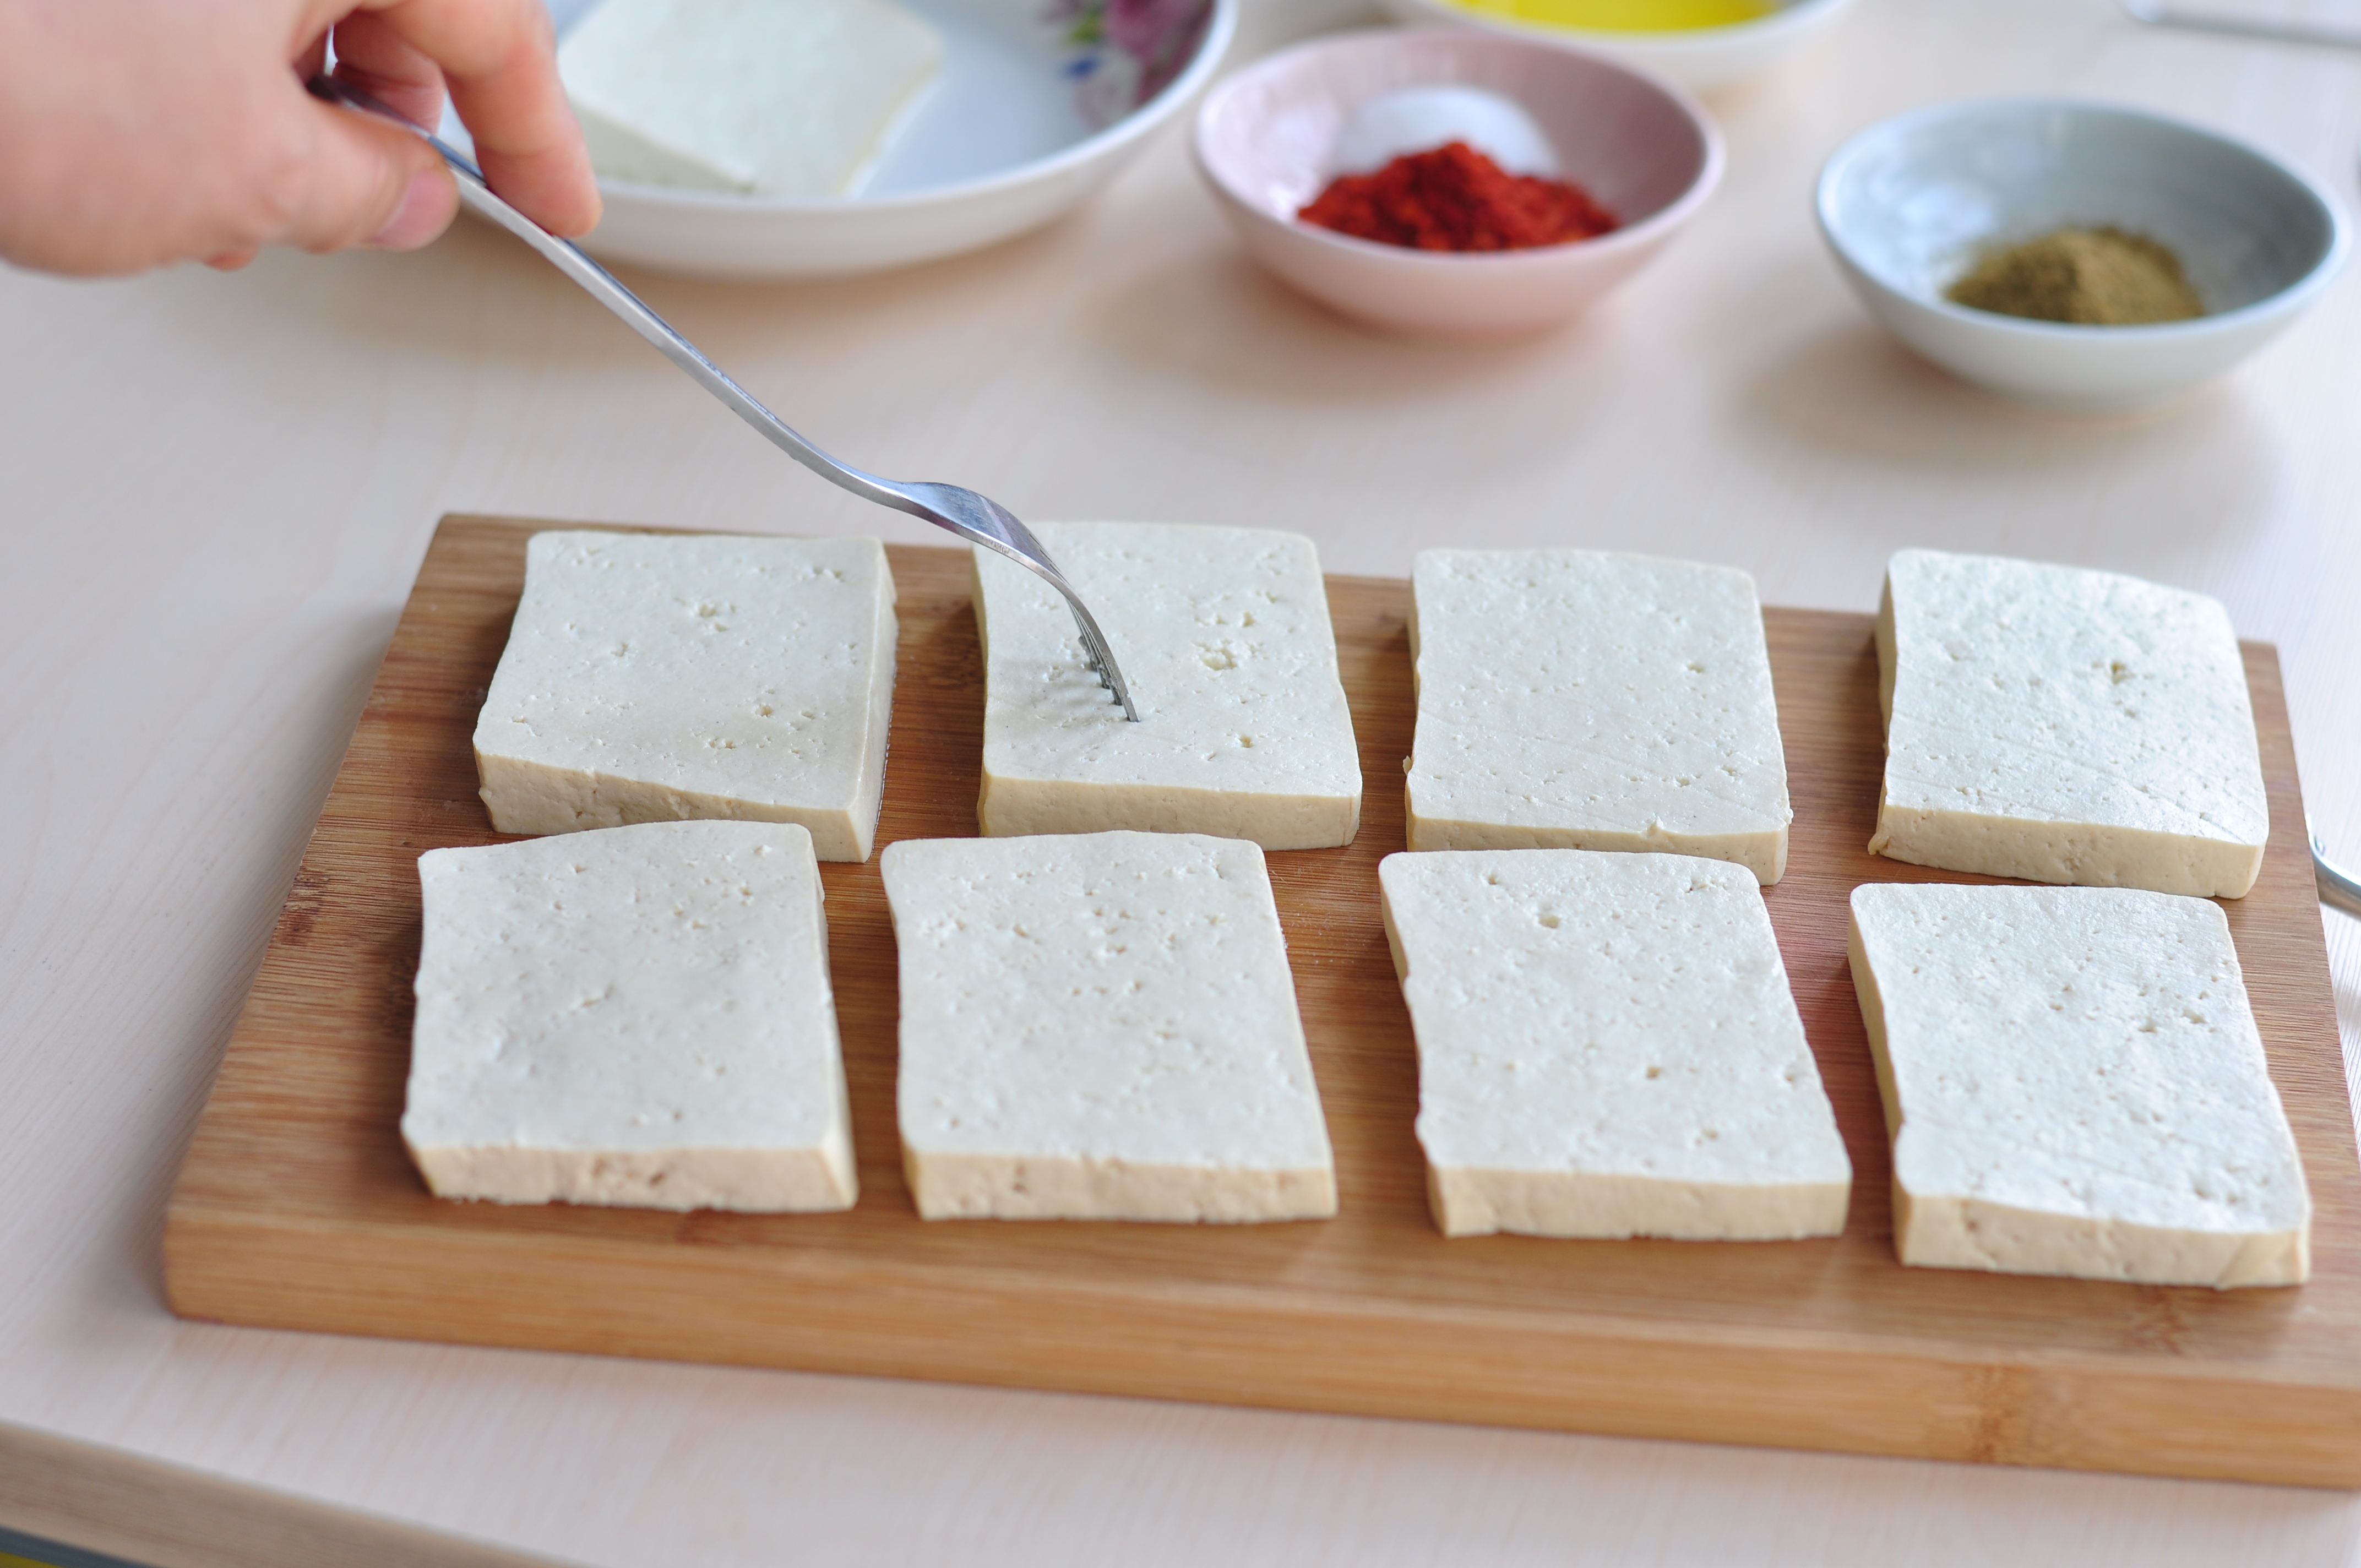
2232 25
2338 887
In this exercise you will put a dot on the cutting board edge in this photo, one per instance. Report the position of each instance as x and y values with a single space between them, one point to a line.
1992 1387
2069 1410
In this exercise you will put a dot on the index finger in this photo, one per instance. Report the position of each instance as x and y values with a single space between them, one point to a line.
499 58
374 58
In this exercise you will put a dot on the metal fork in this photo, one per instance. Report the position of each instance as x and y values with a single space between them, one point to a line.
975 517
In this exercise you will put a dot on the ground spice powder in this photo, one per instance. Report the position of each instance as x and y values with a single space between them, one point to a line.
1455 197
2100 277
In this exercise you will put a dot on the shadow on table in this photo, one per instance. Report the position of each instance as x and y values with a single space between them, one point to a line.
2185 476
1213 317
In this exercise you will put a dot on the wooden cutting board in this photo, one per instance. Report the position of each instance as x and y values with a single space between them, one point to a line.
297 1207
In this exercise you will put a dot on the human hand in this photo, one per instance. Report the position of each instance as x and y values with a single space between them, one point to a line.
136 133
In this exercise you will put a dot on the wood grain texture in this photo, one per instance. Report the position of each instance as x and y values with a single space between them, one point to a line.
298 1208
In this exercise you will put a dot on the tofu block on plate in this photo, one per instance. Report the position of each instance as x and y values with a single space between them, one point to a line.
650 677
757 97
2065 726
1570 700
2075 1085
1224 635
637 1017
1607 1047
1101 1026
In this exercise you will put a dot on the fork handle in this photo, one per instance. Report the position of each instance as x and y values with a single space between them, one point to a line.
974 518
609 290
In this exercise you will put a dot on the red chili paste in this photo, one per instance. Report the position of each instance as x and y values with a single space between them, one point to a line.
1455 197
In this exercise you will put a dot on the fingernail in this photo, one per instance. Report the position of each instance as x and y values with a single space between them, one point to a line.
421 216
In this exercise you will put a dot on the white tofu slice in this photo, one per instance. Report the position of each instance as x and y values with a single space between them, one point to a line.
649 677
761 98
2065 726
2075 1085
639 1017
1570 700
1225 637
1101 1026
1607 1047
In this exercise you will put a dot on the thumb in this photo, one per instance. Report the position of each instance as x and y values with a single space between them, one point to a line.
363 182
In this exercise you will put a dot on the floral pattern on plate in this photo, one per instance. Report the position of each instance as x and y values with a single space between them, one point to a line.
1125 51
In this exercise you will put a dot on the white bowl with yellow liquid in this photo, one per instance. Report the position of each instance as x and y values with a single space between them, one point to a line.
1698 43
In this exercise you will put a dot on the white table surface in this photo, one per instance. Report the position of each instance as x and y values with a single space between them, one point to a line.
219 487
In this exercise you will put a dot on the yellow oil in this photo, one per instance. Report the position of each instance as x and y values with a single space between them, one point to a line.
1625 15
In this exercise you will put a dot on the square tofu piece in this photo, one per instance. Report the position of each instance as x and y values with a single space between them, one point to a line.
1101 1027
2065 726
650 677
637 1017
1224 635
769 97
1607 1047
2075 1085
1569 699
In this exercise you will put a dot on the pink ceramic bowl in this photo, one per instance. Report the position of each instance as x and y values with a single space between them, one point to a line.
1642 147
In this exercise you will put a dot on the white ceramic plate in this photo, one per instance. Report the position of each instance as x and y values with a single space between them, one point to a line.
1023 125
1695 57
